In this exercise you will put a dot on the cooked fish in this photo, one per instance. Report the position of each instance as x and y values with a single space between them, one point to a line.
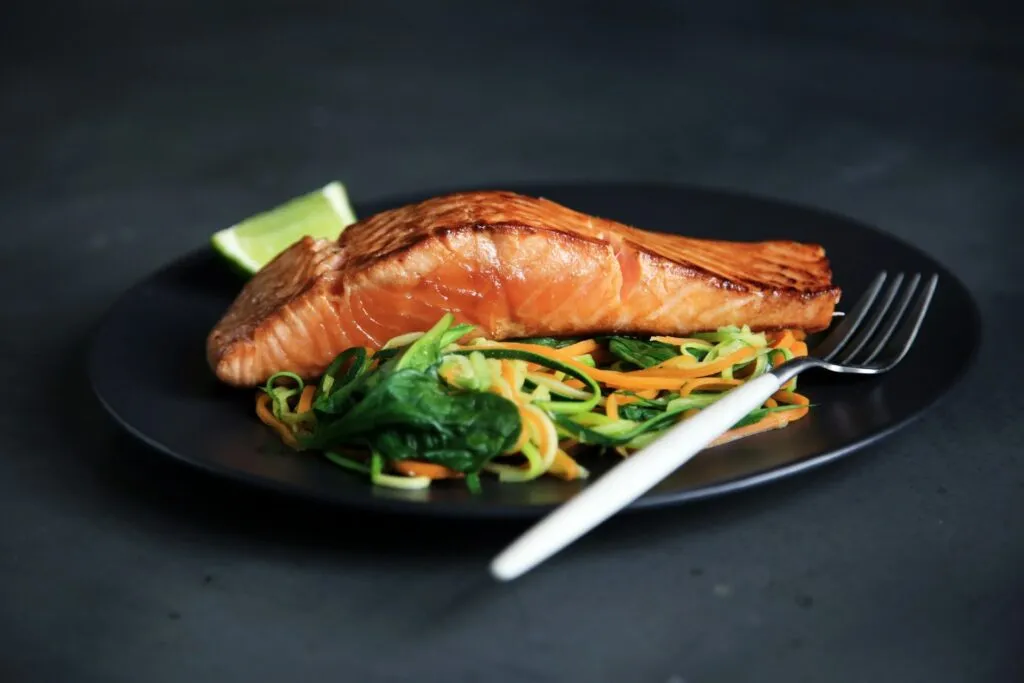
515 266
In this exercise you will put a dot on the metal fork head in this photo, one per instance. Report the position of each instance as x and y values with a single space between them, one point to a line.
876 334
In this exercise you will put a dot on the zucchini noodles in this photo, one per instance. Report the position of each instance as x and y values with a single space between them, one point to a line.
439 405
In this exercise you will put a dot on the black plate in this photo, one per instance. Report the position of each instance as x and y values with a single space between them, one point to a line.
148 368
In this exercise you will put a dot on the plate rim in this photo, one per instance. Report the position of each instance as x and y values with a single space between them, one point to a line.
450 510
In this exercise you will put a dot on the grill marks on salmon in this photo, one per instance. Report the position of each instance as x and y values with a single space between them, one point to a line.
515 266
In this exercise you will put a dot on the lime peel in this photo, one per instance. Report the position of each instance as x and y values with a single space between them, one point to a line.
255 241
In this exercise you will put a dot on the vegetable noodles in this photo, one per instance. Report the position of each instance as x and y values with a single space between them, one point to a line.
436 405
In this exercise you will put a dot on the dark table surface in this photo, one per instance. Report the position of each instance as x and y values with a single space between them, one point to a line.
129 136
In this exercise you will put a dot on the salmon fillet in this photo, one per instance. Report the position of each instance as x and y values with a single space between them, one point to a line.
515 266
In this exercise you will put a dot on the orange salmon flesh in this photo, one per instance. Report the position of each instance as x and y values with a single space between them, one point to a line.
514 266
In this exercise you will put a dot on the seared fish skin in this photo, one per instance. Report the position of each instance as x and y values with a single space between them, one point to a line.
515 266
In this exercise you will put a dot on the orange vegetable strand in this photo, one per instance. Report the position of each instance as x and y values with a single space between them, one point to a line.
306 399
579 348
784 341
415 468
611 407
708 384
564 466
267 417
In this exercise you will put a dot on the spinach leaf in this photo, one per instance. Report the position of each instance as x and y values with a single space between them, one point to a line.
641 353
343 398
411 414
334 392
426 351
384 355
698 352
550 342
637 412
455 334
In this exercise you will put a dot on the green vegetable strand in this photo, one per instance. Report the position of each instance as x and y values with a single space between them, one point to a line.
272 381
560 407
330 377
347 463
398 405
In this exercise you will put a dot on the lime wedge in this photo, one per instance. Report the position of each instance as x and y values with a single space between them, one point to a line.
252 244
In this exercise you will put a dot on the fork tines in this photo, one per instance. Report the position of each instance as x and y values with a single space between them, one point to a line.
882 326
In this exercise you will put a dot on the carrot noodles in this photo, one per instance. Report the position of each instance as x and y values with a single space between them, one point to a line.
267 417
306 400
413 468
567 396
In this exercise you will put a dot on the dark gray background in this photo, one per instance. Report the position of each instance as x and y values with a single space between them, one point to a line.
130 135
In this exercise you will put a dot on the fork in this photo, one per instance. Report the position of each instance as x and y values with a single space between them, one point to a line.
871 339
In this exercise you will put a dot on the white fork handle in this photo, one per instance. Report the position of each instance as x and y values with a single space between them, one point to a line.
628 480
